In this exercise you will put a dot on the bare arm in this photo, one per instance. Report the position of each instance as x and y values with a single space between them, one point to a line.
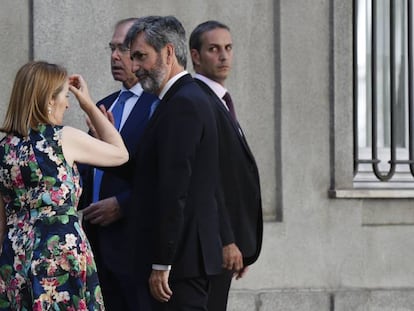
108 150
80 147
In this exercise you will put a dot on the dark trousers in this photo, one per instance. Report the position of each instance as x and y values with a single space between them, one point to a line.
188 295
219 291
124 292
112 290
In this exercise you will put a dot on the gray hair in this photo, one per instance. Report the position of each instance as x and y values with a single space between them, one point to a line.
158 32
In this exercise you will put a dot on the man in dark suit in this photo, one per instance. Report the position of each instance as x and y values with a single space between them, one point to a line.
175 180
242 229
106 197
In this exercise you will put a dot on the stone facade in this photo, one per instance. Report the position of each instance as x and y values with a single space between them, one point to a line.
326 246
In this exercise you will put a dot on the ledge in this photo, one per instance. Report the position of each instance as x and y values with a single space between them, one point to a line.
371 193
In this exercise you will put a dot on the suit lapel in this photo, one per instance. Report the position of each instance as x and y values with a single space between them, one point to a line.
108 100
163 103
137 121
139 113
234 123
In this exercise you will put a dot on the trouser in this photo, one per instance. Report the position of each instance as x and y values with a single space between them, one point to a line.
188 295
219 291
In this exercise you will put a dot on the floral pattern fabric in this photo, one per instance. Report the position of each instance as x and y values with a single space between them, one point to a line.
46 261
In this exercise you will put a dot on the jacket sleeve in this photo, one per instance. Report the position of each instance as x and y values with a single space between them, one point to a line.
226 231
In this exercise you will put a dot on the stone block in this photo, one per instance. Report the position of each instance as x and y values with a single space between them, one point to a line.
376 300
279 301
242 301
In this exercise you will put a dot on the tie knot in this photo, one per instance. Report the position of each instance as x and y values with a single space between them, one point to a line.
229 104
118 109
124 96
227 97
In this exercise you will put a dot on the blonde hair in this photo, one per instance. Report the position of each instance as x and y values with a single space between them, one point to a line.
36 83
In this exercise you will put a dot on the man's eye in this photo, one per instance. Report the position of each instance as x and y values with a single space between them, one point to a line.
138 56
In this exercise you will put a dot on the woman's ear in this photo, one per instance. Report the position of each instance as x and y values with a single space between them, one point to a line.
50 106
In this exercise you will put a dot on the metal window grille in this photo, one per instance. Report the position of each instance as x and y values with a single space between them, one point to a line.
383 92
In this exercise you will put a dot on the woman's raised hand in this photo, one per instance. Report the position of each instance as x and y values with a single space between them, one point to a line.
79 88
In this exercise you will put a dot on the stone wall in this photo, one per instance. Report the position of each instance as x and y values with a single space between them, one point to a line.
292 86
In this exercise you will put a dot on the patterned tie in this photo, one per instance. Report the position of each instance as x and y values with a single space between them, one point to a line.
117 111
154 106
229 103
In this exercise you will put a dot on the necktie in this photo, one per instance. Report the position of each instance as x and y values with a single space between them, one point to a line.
154 106
229 103
117 111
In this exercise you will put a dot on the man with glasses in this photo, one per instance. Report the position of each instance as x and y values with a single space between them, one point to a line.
106 194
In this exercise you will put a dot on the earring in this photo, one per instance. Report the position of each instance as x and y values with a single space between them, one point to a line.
49 110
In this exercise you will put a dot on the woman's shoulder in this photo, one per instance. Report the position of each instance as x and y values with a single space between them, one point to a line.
46 129
12 139
70 130
47 133
49 127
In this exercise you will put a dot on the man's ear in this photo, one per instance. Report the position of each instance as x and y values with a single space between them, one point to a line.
170 52
195 57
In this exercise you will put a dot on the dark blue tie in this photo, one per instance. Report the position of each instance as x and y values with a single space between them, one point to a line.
117 111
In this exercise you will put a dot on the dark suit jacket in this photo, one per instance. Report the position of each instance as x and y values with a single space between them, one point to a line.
110 242
175 183
239 183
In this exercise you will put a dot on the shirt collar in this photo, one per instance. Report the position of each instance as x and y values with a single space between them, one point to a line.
136 89
171 82
217 88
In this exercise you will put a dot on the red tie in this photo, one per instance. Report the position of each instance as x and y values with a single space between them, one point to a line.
229 103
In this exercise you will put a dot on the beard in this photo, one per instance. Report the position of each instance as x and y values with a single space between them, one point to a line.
151 80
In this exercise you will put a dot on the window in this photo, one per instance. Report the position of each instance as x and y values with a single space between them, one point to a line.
383 99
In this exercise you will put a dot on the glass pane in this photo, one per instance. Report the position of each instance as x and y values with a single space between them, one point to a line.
383 73
401 74
384 59
364 68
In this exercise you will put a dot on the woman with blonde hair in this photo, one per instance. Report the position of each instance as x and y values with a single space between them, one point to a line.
46 262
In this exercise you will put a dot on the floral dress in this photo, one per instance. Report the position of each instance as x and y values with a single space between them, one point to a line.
46 261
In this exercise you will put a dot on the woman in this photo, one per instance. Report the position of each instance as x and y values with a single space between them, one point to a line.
46 261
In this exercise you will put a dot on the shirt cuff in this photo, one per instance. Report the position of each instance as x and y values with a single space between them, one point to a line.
161 267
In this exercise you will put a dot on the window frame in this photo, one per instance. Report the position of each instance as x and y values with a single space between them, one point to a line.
341 111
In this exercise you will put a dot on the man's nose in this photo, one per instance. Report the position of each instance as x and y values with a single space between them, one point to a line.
223 54
115 54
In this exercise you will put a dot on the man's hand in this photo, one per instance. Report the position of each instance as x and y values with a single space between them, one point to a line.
232 258
103 212
241 273
158 283
107 114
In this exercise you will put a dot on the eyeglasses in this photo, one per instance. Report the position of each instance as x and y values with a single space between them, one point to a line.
120 47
